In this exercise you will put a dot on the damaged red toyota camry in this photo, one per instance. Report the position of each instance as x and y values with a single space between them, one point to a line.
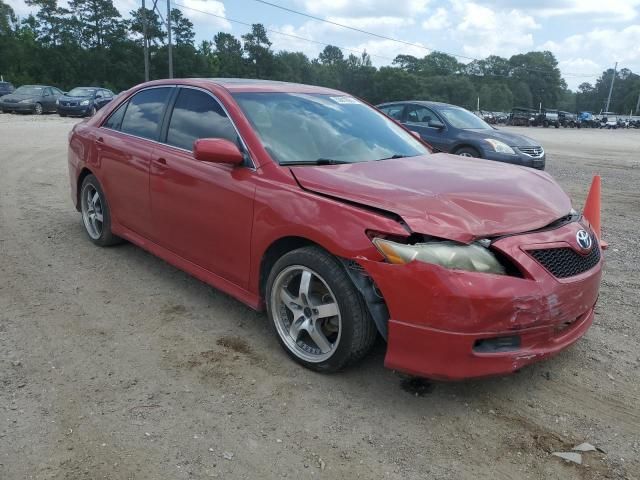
310 203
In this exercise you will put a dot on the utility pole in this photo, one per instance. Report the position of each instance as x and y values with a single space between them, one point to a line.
638 104
144 42
169 38
613 78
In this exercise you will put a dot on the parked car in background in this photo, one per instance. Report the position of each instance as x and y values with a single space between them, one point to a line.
609 121
36 99
522 117
309 202
6 88
550 118
83 101
453 129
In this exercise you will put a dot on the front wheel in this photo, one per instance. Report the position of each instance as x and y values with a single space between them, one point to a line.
96 216
468 152
37 109
319 317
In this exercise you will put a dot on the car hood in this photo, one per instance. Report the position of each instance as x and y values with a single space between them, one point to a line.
511 139
14 96
444 195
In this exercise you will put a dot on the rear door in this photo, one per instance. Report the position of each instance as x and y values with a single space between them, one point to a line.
124 144
202 211
417 118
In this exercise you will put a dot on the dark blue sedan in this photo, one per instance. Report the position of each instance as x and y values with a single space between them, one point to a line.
453 129
83 101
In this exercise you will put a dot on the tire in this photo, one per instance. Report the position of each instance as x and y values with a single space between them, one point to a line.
347 329
62 114
468 152
91 112
37 109
545 124
99 232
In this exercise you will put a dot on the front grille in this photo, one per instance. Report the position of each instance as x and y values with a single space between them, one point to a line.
535 152
566 262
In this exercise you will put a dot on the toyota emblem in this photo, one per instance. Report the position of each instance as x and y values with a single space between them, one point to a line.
583 239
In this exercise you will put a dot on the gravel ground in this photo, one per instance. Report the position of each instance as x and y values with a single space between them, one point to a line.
115 365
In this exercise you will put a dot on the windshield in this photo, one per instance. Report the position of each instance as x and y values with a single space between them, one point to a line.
315 128
81 92
464 119
28 90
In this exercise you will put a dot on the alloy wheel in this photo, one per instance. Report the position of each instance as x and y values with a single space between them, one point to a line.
92 211
306 314
38 109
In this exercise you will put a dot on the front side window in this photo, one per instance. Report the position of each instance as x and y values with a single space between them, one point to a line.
464 119
198 115
144 114
420 114
394 111
316 128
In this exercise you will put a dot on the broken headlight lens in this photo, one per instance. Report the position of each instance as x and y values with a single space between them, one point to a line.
472 258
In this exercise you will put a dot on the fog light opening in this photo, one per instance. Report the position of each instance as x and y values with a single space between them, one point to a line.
497 344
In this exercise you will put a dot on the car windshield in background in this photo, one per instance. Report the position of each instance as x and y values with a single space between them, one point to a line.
81 92
461 118
27 90
319 128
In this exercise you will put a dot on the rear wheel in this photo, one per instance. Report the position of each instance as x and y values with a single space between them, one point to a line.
468 152
96 216
318 315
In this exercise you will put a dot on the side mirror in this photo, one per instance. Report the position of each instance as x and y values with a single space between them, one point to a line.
217 150
436 124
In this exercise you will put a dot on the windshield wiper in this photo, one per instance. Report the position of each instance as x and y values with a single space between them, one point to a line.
393 157
319 161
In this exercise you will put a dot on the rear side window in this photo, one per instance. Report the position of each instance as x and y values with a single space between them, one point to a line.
198 115
144 114
115 119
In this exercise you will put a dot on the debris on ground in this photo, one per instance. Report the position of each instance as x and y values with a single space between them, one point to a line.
569 457
584 447
227 455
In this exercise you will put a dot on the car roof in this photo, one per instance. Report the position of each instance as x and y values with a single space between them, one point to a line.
242 85
426 103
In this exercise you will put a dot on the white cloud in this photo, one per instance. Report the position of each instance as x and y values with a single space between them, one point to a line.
363 8
484 31
438 21
197 11
594 10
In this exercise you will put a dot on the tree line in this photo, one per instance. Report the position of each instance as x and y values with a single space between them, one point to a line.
90 43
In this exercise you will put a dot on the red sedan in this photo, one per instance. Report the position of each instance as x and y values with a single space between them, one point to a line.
308 202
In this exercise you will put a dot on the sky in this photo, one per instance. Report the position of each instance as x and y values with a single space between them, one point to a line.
586 36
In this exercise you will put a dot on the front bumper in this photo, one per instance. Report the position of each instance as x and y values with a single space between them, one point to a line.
76 110
517 159
18 107
440 317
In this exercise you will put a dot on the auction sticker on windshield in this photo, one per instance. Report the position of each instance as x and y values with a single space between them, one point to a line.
345 100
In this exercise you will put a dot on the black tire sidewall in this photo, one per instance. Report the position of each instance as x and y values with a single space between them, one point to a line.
472 151
106 237
352 309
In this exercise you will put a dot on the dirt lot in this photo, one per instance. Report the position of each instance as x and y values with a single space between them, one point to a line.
116 365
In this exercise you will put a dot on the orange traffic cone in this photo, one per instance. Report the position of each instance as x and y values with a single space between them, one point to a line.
592 208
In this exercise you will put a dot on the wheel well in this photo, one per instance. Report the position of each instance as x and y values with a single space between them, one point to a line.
83 173
276 250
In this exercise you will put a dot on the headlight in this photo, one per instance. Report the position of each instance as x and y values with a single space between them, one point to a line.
57 102
84 102
499 146
472 258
